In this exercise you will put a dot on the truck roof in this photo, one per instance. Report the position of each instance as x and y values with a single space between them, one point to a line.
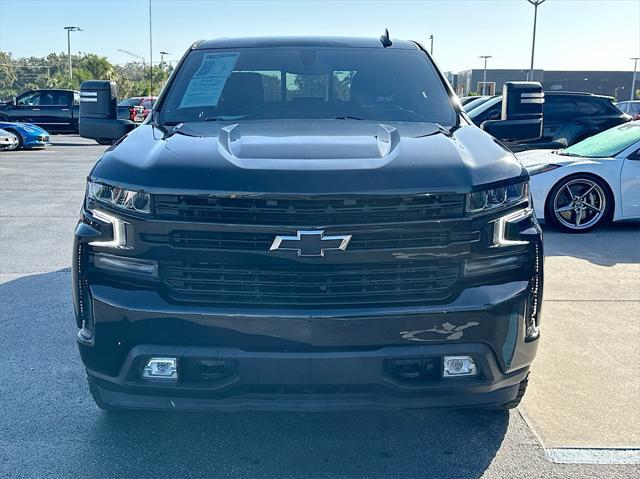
51 89
574 93
303 41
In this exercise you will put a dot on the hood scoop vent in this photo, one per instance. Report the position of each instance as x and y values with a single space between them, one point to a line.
308 151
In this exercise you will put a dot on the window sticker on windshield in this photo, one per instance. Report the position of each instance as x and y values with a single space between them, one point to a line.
205 87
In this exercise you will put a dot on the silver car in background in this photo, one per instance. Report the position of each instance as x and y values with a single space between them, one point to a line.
8 141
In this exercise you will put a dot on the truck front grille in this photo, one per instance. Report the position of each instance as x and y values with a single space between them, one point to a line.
309 212
369 240
311 285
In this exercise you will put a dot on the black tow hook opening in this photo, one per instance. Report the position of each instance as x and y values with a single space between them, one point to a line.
414 369
215 368
206 370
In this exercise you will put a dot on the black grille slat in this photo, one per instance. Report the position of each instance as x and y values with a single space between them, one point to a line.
215 241
311 285
306 212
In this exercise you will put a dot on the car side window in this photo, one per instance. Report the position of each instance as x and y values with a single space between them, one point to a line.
29 99
558 107
589 106
47 98
623 107
494 112
59 98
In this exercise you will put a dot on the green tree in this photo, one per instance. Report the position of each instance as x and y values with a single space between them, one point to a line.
20 74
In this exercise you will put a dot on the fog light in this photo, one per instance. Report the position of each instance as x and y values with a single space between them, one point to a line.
454 366
161 368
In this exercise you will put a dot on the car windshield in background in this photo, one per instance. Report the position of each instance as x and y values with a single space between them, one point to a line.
130 102
476 103
307 83
606 144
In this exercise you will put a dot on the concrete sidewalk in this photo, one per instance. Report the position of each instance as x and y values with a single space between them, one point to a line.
585 383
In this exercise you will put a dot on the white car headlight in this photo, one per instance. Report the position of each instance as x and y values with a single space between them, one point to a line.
128 200
536 170
497 198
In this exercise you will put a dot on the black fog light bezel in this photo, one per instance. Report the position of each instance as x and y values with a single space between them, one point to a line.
125 265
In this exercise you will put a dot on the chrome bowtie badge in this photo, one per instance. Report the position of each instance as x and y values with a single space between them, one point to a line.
310 243
451 331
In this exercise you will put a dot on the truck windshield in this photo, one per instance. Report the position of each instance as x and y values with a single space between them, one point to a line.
307 83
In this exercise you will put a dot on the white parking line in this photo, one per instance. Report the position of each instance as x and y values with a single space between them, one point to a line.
593 456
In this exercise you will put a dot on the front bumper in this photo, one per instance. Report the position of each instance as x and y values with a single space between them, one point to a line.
320 381
335 357
328 360
36 141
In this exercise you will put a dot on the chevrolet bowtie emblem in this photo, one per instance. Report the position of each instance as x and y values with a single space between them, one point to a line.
310 243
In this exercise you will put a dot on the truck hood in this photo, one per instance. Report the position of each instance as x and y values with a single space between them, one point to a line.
306 157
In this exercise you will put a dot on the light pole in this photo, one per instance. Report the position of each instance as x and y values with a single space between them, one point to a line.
431 38
633 81
484 77
69 30
144 65
150 54
536 4
162 54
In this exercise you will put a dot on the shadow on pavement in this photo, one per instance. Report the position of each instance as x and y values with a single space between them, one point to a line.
363 444
606 246
51 428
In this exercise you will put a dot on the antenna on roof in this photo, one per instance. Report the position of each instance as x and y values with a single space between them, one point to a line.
385 40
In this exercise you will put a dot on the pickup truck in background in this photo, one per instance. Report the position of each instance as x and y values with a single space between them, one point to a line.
55 110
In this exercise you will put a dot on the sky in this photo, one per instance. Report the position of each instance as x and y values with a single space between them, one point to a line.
572 34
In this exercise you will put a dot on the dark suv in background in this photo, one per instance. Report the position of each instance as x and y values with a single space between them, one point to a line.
569 117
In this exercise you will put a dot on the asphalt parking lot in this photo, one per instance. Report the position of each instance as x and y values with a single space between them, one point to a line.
585 386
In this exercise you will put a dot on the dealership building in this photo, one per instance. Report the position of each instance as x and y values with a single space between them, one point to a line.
612 83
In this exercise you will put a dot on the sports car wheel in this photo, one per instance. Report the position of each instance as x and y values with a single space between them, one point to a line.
579 204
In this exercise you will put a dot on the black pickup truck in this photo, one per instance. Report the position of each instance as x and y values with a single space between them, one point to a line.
309 224
55 110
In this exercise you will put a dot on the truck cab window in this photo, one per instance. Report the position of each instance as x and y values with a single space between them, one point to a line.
29 99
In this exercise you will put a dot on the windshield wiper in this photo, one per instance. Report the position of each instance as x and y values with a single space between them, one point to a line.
228 117
348 117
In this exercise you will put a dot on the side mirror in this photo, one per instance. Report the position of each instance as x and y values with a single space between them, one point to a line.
521 118
98 116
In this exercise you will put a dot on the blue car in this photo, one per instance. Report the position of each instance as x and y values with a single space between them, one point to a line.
29 136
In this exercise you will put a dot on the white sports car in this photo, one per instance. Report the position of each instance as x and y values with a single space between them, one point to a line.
596 180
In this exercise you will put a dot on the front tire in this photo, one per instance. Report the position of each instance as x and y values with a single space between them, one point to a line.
579 203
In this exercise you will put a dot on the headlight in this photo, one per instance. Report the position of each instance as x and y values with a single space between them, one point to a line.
499 197
536 170
128 200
